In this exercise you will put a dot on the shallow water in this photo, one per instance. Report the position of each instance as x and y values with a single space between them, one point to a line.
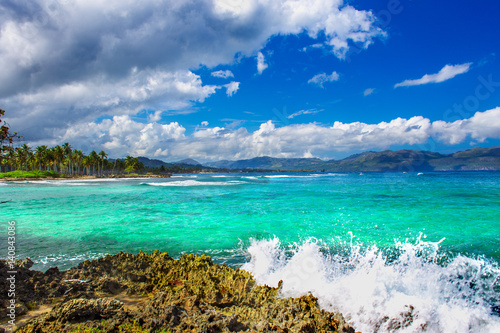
369 245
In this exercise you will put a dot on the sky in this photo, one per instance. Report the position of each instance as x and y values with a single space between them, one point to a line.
237 79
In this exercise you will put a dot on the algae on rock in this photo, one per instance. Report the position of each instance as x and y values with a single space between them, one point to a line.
189 294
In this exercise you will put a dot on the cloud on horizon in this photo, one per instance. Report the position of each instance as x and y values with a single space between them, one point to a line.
122 135
446 73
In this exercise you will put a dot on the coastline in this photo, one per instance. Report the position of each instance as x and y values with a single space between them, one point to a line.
156 293
10 179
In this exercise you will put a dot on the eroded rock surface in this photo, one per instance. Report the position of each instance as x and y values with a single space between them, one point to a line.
190 294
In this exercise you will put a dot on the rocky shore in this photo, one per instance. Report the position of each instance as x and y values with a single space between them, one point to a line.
155 293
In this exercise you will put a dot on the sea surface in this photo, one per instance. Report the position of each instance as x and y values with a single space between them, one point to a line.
394 252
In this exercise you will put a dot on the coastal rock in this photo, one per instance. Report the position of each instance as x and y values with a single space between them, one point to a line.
150 292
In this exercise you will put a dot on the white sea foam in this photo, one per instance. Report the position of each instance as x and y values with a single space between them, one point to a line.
195 183
280 176
407 292
64 261
314 175
250 177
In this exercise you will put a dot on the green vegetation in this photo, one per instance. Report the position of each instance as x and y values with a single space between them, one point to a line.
29 174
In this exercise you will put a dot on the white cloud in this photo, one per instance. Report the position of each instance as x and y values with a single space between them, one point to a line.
232 87
53 61
368 91
261 63
56 106
446 73
481 126
223 74
204 123
321 78
122 135
301 112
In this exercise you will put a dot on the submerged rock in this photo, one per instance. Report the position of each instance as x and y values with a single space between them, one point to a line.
155 293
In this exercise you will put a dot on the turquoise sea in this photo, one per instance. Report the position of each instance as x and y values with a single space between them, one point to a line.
379 247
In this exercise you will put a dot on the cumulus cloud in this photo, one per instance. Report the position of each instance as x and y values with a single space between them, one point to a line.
368 91
301 112
320 79
481 126
223 74
49 48
446 73
261 63
169 141
232 88
41 113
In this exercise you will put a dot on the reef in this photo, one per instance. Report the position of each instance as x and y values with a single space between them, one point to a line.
156 293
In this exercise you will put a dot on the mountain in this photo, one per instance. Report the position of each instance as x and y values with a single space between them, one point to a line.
270 163
152 163
188 161
401 160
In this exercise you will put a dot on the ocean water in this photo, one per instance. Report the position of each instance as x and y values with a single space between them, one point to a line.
394 252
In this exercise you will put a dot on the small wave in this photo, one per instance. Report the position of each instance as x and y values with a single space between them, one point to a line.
64 261
195 183
314 175
250 177
412 289
39 181
4 184
280 176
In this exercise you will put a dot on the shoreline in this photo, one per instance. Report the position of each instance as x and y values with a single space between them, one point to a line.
156 293
10 179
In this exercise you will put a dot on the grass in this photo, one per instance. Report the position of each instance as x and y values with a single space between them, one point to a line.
29 174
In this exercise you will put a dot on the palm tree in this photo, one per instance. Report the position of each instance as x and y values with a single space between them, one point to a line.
58 157
86 164
67 150
130 164
94 159
11 158
103 156
41 156
24 155
77 157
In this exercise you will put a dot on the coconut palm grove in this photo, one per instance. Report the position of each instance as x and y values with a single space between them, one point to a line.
44 161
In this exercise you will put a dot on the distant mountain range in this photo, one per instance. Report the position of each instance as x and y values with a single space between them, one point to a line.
401 160
474 159
153 163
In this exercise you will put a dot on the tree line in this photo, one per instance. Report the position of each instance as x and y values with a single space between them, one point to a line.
65 160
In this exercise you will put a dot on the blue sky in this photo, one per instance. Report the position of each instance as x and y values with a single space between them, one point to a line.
182 79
